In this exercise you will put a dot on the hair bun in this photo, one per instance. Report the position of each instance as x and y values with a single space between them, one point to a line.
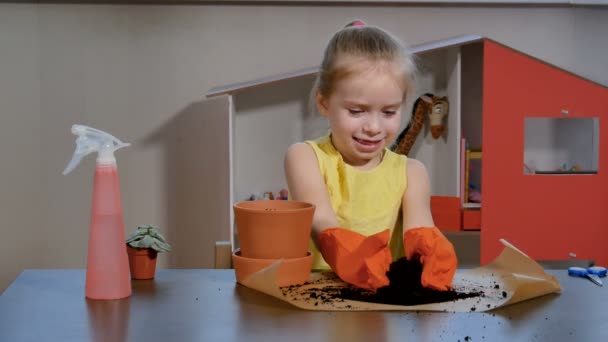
356 23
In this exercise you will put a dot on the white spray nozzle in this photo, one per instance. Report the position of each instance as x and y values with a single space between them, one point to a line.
93 140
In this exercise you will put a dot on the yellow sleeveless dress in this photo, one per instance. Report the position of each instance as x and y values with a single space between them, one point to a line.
367 201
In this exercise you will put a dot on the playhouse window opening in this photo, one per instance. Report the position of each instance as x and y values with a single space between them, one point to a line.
561 146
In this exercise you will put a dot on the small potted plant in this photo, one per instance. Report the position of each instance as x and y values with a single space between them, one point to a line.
143 246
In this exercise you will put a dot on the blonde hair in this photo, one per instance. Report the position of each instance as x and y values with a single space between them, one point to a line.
362 42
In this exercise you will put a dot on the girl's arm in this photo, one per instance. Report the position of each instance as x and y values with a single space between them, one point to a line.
421 237
357 259
417 198
306 184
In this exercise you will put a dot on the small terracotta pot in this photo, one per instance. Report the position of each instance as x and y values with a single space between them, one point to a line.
273 229
142 262
290 272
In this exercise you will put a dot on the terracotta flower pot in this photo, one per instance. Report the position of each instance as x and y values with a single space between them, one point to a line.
142 262
290 272
273 229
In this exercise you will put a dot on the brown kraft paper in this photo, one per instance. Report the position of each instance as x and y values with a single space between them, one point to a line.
510 278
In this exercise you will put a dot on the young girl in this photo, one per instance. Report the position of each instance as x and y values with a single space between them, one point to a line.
363 192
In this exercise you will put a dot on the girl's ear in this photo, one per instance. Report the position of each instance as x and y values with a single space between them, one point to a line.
322 104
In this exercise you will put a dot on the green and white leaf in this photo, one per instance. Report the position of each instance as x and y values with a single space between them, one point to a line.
148 236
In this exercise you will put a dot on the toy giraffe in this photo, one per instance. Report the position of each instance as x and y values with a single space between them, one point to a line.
407 138
436 108
437 116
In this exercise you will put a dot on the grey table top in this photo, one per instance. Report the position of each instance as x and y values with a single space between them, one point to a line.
202 305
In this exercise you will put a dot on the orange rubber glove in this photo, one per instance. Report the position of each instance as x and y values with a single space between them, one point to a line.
436 254
357 259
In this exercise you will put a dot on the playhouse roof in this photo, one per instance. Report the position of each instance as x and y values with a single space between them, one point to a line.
415 49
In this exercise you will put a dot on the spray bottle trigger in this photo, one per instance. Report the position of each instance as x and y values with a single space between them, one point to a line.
80 152
93 140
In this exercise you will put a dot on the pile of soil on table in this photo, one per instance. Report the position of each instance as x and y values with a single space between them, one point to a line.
405 288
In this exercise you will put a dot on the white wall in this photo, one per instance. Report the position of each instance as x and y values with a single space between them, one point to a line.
440 75
552 142
131 70
267 120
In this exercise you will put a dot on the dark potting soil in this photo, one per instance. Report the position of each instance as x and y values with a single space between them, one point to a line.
404 288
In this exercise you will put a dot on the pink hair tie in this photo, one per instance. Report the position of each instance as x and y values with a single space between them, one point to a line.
357 23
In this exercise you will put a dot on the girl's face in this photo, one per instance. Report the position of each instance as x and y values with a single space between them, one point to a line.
364 113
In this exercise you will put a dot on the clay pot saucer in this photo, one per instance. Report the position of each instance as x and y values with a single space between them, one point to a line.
276 229
294 271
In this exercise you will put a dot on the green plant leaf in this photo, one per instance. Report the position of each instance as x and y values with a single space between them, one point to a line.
148 236
162 246
158 235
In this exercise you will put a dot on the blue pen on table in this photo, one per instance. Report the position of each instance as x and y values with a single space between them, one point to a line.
593 273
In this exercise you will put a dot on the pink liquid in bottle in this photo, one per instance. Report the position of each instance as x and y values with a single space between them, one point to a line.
108 274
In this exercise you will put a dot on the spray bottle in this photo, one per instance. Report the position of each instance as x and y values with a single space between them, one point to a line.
107 261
